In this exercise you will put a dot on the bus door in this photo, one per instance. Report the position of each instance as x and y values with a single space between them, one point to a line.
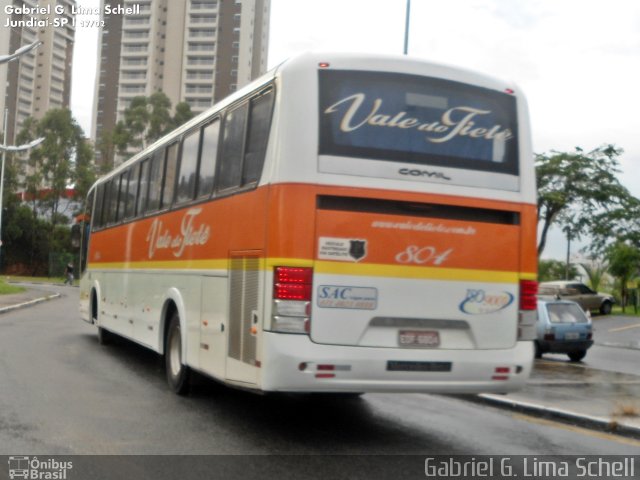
244 299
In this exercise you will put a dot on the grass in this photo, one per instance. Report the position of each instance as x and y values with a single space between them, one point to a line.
629 311
21 279
6 289
17 278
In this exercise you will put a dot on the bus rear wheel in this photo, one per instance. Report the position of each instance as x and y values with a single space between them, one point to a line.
104 337
177 372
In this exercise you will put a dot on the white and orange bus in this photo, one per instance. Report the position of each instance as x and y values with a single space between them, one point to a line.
343 224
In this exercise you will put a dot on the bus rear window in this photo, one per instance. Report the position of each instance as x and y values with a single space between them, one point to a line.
417 120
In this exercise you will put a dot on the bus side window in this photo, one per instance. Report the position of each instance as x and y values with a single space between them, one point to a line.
122 197
188 168
155 180
208 158
144 187
112 203
259 124
230 173
97 214
170 175
132 192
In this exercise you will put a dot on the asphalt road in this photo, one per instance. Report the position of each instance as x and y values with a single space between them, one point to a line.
63 394
616 345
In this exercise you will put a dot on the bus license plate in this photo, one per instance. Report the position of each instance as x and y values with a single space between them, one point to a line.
418 338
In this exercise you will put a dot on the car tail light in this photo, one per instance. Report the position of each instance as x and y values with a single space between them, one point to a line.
292 290
528 292
549 334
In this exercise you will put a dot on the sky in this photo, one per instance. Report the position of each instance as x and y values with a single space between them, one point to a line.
578 61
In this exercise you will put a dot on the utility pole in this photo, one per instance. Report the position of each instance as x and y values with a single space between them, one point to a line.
567 230
406 28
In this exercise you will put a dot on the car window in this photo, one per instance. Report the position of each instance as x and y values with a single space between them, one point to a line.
569 291
547 290
566 313
585 290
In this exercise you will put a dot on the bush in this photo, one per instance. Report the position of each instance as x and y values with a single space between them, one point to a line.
28 241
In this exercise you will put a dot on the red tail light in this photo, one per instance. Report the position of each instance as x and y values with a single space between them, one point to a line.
528 292
292 283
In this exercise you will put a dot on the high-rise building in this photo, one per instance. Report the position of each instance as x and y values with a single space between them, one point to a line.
40 79
195 51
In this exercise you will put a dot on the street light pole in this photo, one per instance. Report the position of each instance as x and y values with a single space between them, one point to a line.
406 28
4 157
21 51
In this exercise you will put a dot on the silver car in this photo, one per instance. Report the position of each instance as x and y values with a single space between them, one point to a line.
579 293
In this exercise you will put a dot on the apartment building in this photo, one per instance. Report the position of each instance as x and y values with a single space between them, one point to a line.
40 79
198 51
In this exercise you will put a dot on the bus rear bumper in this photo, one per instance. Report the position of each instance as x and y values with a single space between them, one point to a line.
293 363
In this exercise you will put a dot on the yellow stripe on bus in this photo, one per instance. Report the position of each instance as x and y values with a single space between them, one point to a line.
431 273
334 268
221 264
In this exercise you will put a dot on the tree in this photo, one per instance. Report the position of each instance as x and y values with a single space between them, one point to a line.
160 121
549 270
106 147
84 172
183 114
581 192
63 159
624 262
146 120
596 272
25 241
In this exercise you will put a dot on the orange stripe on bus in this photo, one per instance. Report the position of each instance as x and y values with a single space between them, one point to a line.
283 222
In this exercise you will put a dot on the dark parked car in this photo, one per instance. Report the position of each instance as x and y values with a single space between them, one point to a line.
563 327
579 293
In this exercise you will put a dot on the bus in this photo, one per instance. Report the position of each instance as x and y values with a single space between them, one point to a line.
344 224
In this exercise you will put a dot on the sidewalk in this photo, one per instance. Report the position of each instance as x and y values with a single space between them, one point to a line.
596 399
593 398
31 296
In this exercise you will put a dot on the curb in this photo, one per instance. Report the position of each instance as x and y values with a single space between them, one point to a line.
595 423
29 303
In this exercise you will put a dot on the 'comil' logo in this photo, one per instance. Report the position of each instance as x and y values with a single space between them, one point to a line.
33 468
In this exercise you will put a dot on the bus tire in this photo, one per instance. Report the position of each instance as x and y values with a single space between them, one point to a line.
177 372
104 336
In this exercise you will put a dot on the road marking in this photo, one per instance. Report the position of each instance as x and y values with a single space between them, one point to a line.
584 431
628 327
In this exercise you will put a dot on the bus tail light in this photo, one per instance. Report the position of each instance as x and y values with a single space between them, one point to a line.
528 314
292 288
528 292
